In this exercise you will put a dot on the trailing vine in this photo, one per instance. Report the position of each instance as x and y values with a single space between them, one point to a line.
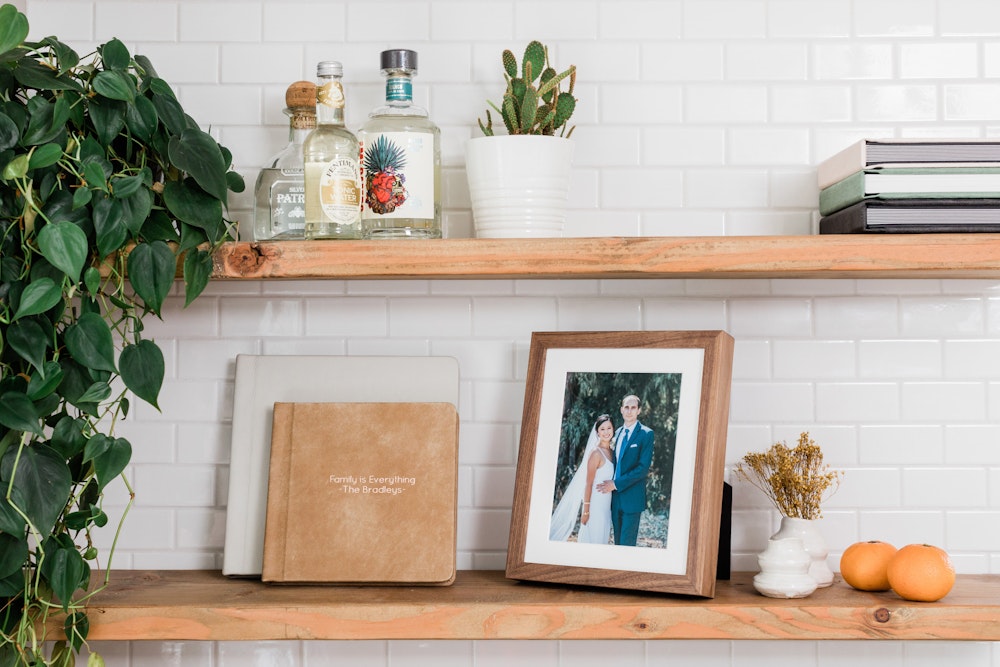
106 186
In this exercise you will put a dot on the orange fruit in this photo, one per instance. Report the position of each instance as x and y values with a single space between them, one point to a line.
863 565
921 572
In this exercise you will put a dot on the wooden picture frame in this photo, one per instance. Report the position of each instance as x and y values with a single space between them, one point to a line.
571 376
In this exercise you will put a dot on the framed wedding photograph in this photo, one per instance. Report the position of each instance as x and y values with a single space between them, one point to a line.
621 463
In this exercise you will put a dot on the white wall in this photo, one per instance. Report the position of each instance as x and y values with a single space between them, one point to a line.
696 117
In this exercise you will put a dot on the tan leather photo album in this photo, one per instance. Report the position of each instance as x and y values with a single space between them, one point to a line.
362 493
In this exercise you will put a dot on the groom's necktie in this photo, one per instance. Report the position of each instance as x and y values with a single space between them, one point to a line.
621 444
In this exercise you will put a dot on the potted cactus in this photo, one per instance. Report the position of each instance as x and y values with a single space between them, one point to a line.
519 181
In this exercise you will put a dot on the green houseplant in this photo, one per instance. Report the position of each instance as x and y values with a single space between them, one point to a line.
533 102
105 185
519 181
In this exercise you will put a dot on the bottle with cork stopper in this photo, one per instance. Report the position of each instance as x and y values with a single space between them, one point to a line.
279 195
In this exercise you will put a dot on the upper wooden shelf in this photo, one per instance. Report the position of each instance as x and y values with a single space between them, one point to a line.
827 256
204 605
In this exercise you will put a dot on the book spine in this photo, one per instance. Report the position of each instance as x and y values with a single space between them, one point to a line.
276 522
841 165
850 220
842 193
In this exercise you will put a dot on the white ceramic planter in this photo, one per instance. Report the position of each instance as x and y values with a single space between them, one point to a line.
784 570
519 185
808 531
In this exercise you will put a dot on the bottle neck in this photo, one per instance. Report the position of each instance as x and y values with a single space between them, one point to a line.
329 101
297 135
300 124
398 88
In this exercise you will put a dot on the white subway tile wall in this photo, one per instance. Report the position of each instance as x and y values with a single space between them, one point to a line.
695 117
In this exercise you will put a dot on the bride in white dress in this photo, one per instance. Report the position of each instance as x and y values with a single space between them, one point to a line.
581 499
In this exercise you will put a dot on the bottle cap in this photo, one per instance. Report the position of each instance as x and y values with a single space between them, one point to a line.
329 68
301 94
399 59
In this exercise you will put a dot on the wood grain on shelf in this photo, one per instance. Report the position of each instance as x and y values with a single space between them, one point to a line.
204 605
818 256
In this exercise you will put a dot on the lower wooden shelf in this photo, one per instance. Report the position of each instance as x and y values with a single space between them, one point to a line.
204 605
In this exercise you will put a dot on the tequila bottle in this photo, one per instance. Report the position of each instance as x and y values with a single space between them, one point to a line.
279 195
401 159
330 152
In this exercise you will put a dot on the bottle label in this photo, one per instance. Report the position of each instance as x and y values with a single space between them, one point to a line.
288 202
331 94
398 175
339 189
398 89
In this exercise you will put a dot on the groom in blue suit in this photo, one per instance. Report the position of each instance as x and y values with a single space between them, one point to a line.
633 456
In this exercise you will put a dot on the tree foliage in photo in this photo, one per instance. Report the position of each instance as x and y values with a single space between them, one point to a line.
590 394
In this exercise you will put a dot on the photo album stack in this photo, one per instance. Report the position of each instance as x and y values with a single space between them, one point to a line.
344 470
911 186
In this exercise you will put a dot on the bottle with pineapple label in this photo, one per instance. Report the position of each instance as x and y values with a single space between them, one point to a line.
279 195
401 159
332 171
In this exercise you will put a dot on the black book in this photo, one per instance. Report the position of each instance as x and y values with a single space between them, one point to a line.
914 216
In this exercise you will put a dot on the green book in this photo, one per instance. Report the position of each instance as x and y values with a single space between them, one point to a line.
911 183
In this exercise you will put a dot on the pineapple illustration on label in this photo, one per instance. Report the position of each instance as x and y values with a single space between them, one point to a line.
385 188
398 176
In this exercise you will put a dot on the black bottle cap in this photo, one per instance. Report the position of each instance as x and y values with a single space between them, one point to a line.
399 59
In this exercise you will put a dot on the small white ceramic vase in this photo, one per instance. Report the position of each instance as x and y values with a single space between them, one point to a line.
519 185
784 570
807 530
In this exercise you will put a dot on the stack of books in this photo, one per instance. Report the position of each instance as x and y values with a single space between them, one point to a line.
911 185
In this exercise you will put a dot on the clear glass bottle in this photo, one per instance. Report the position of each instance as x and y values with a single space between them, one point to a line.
279 196
330 152
401 159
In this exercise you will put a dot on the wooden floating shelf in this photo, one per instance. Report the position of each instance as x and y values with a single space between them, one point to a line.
818 256
204 605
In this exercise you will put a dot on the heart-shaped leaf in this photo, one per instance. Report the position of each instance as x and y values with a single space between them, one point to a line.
108 116
135 209
114 85
65 246
66 56
18 412
95 393
197 271
90 342
197 153
13 553
110 457
169 110
151 271
42 480
44 156
9 132
108 224
63 567
38 297
28 339
189 203
13 28
68 437
16 168
115 55
142 369
46 382
141 118
32 74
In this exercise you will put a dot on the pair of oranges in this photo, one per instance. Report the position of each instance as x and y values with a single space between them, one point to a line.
919 572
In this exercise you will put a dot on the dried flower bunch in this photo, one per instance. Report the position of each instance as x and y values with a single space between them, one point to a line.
794 478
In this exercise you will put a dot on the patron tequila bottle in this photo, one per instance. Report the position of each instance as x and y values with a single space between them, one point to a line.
333 179
279 196
401 159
